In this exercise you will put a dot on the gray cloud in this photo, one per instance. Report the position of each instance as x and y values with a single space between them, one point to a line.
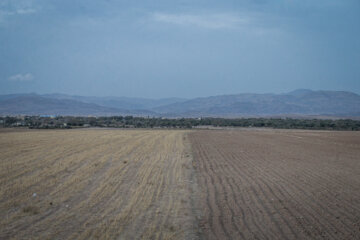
27 77
25 10
16 8
210 21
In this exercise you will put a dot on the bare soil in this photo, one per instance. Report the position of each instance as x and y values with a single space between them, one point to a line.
95 184
278 184
174 184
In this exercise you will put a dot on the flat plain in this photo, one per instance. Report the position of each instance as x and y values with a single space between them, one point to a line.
278 184
179 184
95 184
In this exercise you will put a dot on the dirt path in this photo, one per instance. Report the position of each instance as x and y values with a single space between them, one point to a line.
278 184
96 184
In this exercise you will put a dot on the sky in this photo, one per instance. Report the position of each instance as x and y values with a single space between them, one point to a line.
179 48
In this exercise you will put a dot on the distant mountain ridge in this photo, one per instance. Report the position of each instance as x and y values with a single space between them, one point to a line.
119 102
32 104
298 102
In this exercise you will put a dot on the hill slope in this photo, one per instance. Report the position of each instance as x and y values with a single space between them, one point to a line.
119 102
300 102
32 104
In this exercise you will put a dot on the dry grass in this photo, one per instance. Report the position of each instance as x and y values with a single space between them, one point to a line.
95 184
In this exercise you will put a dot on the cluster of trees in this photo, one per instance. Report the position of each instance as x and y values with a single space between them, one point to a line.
285 123
147 122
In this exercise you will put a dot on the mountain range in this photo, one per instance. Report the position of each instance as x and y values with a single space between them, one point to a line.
301 102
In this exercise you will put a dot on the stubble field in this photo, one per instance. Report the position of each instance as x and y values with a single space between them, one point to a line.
174 184
95 184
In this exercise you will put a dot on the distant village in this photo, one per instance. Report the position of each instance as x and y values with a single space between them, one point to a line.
68 122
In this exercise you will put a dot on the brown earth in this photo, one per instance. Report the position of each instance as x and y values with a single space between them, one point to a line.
169 184
276 184
95 184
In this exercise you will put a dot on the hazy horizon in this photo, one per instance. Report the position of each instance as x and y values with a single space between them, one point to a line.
183 49
188 98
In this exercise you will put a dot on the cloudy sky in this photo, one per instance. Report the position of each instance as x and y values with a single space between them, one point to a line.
184 48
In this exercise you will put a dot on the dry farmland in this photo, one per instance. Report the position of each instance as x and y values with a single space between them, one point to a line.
95 184
278 184
174 184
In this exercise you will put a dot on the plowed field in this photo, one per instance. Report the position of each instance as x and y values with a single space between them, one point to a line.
278 184
95 184
174 184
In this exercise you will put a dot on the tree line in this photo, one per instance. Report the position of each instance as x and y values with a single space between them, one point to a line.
156 122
